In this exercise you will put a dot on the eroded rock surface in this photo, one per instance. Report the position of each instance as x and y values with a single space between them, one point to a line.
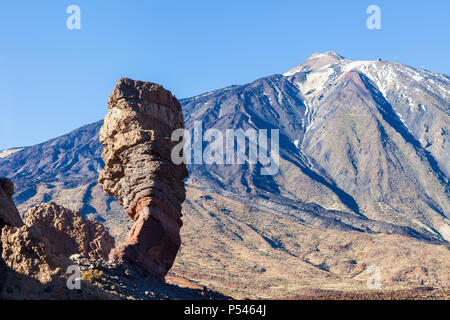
9 215
140 174
37 263
34 254
69 232
34 271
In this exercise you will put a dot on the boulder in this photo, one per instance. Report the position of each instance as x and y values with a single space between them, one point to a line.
35 256
34 271
69 232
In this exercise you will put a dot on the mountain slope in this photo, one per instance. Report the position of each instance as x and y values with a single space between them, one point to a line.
343 144
363 153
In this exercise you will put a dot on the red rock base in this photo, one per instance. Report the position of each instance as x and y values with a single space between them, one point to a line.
154 240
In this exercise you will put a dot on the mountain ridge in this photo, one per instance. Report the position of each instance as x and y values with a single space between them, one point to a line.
363 155
250 106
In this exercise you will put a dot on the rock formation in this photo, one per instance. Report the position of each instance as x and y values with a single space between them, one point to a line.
31 264
37 254
34 271
34 254
9 215
68 232
140 174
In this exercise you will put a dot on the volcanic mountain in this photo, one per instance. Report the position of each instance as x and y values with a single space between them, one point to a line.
362 180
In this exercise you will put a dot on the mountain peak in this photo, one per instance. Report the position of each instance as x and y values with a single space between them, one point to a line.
317 60
329 54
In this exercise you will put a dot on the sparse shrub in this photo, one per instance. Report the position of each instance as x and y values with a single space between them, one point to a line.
92 275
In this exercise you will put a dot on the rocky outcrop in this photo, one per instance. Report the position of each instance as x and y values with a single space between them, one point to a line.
69 232
9 215
34 256
37 261
140 174
35 272
31 265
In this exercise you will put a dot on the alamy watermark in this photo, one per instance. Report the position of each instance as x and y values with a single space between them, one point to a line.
74 20
374 20
74 279
228 147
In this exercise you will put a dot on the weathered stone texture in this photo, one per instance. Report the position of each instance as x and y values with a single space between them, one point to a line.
136 136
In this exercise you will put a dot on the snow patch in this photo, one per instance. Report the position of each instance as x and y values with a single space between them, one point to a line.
6 153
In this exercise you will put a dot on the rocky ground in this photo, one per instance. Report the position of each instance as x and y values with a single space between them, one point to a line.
250 250
424 293
54 253
127 281
32 267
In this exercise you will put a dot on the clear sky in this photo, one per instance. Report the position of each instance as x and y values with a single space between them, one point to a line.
53 80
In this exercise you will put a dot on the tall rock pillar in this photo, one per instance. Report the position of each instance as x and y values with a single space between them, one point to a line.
140 174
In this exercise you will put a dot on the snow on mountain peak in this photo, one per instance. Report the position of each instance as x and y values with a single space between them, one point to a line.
316 61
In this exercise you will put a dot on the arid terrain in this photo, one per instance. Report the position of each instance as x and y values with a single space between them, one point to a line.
362 183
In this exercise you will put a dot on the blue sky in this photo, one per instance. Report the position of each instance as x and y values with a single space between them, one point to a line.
53 80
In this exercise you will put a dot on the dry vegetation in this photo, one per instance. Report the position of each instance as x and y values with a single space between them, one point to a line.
243 251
